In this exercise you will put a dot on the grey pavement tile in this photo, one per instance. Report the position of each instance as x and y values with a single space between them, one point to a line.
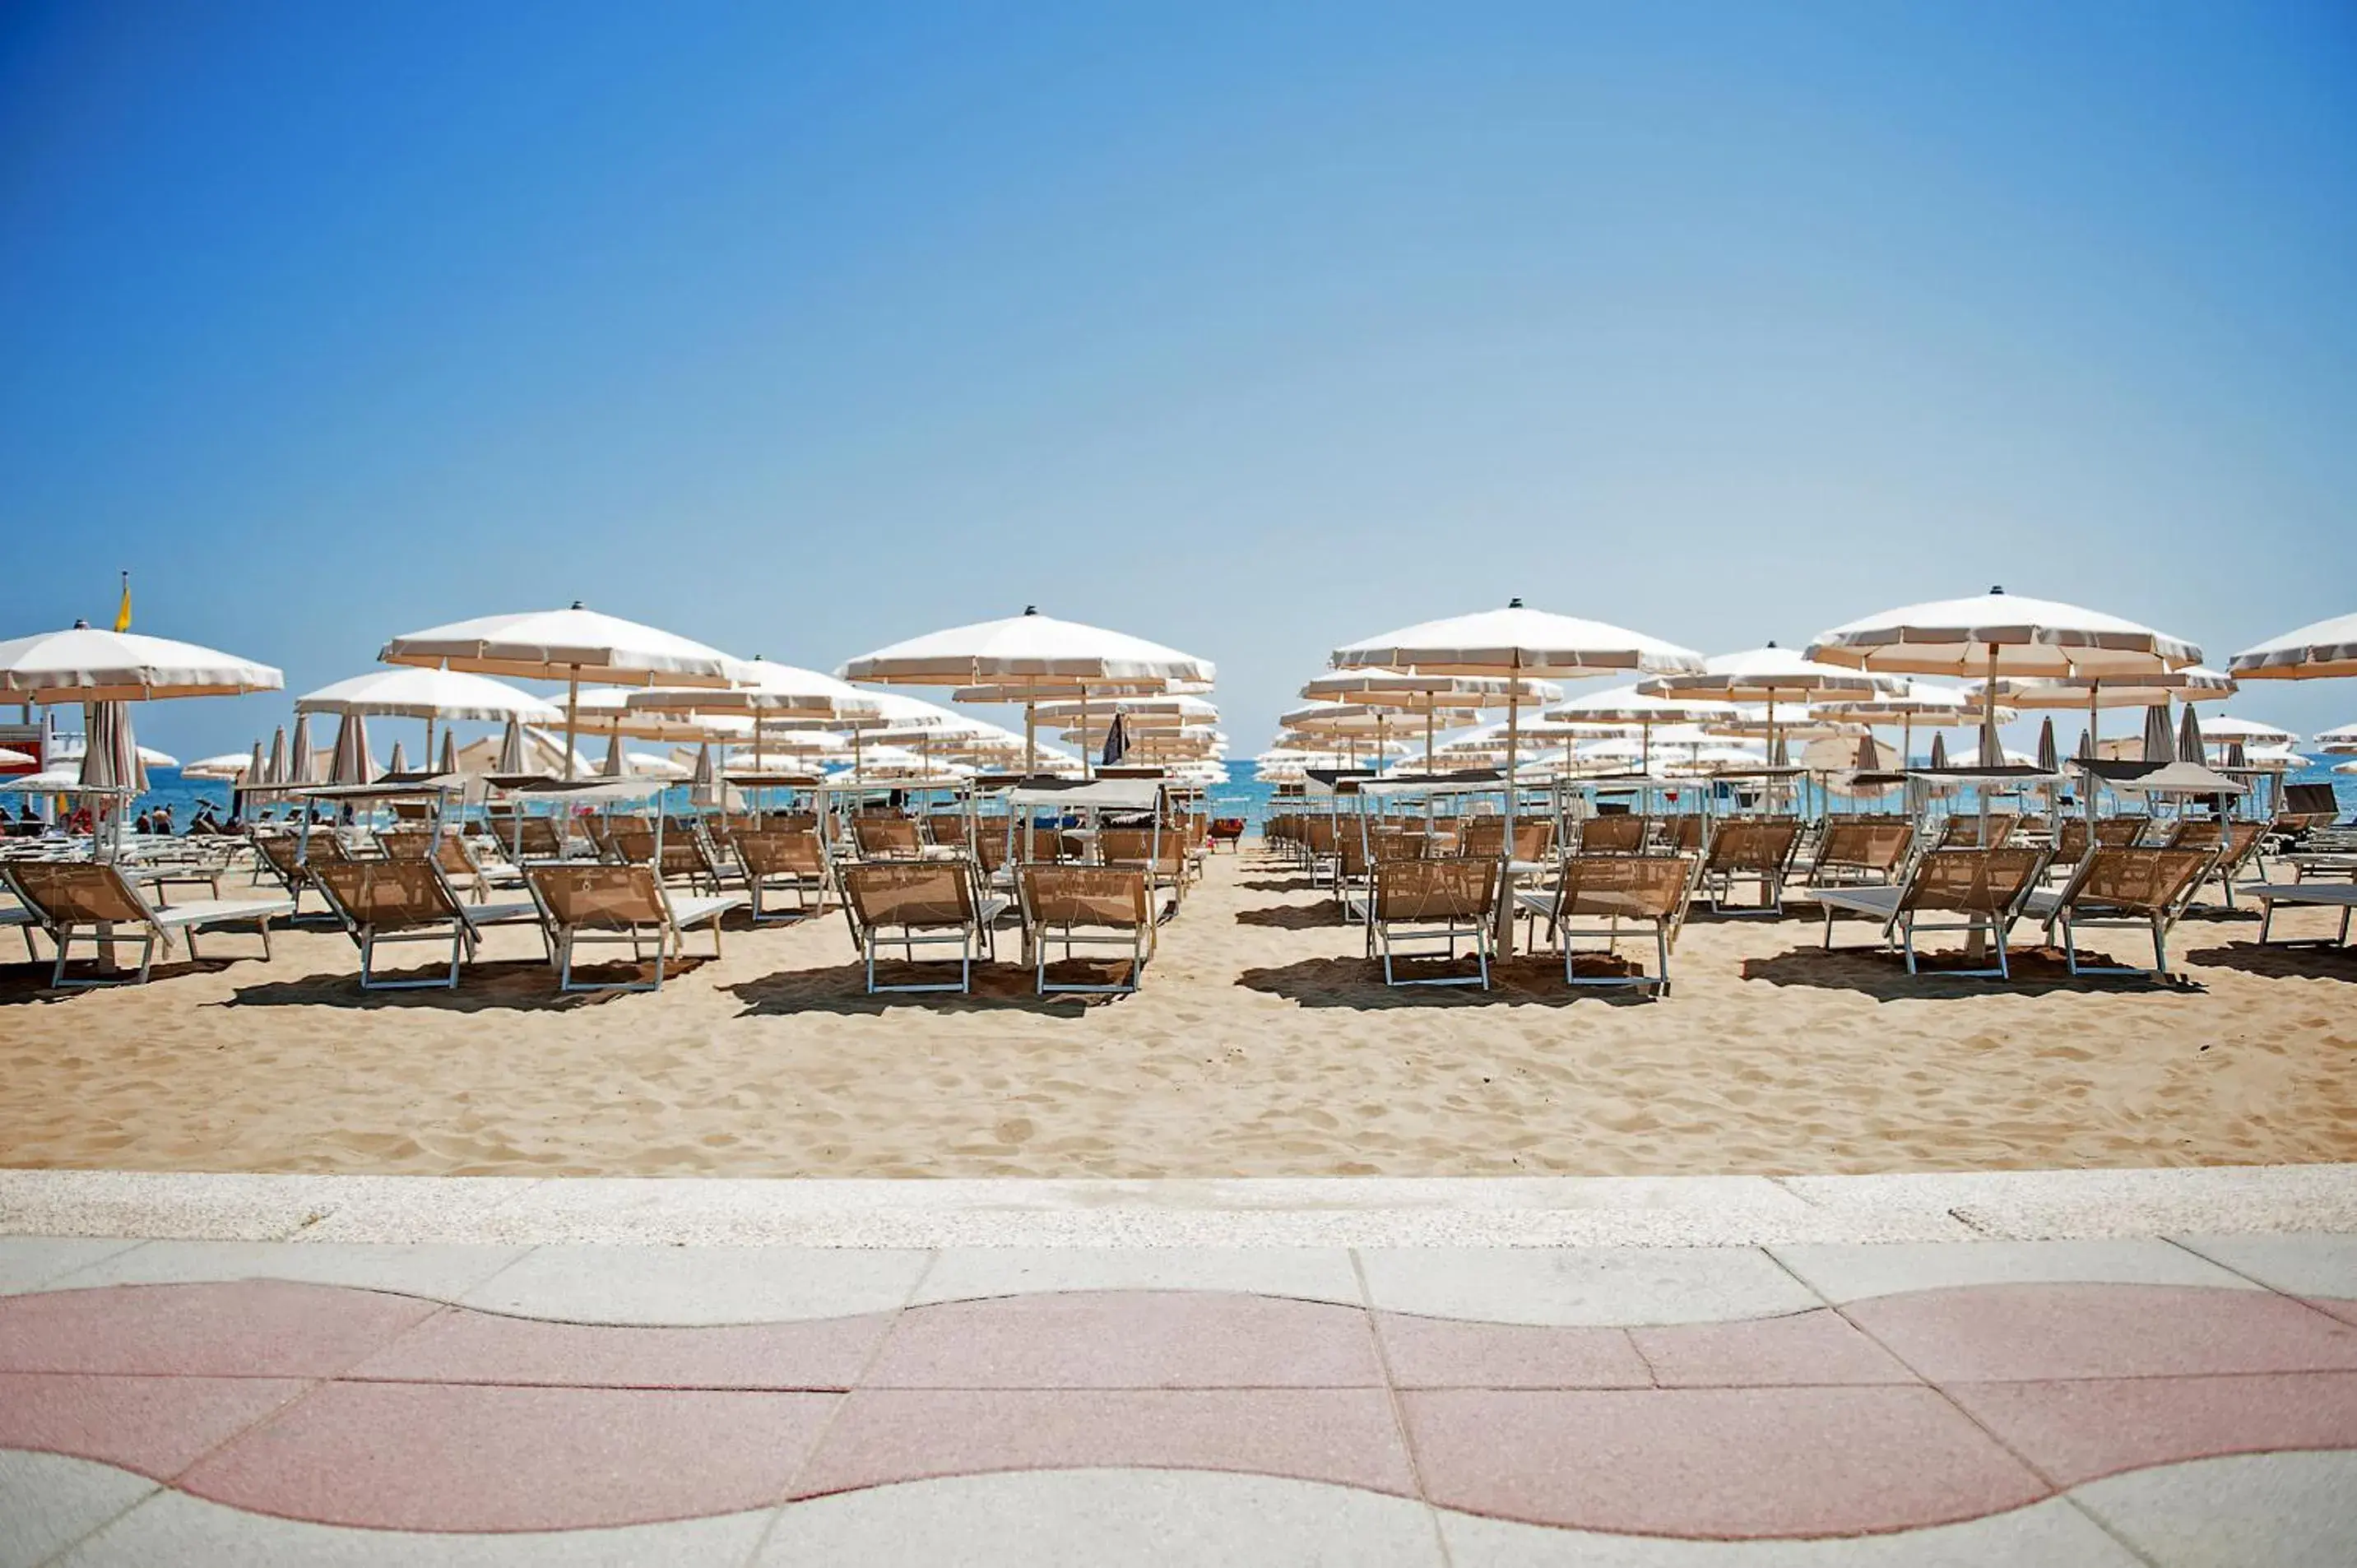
1306 1274
1105 1518
1852 1272
441 1273
2311 1264
2282 1510
31 1263
685 1286
2050 1534
1619 1286
48 1501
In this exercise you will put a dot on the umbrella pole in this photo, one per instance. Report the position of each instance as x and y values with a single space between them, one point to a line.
1031 739
572 714
2094 749
1505 922
1427 742
1088 762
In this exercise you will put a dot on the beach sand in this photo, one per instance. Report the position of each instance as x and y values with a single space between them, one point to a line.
1262 1045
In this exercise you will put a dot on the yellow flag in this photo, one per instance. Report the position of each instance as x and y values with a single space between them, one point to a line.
123 614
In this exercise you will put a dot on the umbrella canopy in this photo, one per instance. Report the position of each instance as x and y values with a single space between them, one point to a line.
1416 692
2159 742
1996 634
1035 650
2322 648
1769 674
1162 713
2194 683
1517 641
2228 727
1338 718
423 694
767 692
1632 706
9 758
353 765
2337 741
84 664
1918 702
609 710
227 764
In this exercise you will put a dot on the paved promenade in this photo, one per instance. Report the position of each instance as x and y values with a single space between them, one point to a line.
2080 1370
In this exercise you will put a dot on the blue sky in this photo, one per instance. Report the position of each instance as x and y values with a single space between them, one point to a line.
1254 329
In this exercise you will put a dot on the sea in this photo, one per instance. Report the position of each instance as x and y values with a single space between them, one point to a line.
1244 795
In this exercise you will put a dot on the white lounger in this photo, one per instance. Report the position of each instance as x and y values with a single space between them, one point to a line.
2342 895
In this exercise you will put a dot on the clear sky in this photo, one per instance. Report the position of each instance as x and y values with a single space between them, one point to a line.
1252 328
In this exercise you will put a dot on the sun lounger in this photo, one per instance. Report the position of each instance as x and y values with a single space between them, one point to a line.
2235 846
79 900
784 862
1098 904
913 904
409 900
685 856
2129 889
1963 831
2340 895
1641 889
581 901
1760 848
1161 855
1985 886
456 862
1481 838
1424 901
1865 850
1619 833
887 838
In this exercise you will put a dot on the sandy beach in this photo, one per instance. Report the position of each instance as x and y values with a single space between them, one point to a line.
1262 1045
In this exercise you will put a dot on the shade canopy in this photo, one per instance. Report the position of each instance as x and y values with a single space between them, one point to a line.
1997 633
609 711
1340 718
1420 691
23 759
2251 732
1168 711
1517 640
2337 741
994 693
2325 648
768 691
1920 702
557 645
1036 650
1769 674
85 664
2194 683
412 693
1633 706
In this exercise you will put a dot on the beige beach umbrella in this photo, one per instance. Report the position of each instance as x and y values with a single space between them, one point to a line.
1427 696
2318 651
448 764
2193 684
2338 742
227 764
300 768
433 695
2250 731
277 770
1768 676
257 766
10 758
510 761
85 664
565 645
1032 652
768 695
400 763
616 765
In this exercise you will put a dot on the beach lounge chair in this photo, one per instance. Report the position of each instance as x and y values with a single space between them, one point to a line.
1861 850
913 904
784 862
1984 887
1481 838
2129 889
2340 895
79 900
1623 832
1761 848
2236 848
1102 905
2306 808
946 830
449 853
1962 830
1426 901
1161 855
685 857
285 859
1641 889
409 900
587 901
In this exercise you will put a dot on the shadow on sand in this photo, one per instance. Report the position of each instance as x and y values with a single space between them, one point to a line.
2301 959
997 987
526 986
1358 982
24 982
1324 914
1883 975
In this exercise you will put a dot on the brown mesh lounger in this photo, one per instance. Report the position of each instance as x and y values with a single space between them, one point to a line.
1963 831
457 862
1986 886
783 861
1103 905
410 900
582 901
81 900
1757 847
913 904
2130 888
1641 889
1434 900
887 838
1622 832
1869 849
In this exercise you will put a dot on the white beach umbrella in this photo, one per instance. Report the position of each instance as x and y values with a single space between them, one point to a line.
613 710
110 757
648 765
1032 652
9 758
151 758
769 694
433 695
2274 757
1771 675
2194 683
353 764
564 645
2337 741
2250 731
1428 694
2321 650
704 782
85 664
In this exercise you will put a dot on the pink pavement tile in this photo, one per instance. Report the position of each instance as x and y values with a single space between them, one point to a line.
1346 1436
156 1426
1116 1339
2045 1331
1817 1347
2346 1311
266 1329
2076 1431
429 1456
1732 1464
462 1346
1452 1353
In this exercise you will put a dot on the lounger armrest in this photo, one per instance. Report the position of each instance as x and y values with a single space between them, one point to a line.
220 911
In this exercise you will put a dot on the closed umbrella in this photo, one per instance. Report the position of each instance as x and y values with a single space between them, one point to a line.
617 764
257 770
299 759
277 773
511 759
2159 741
704 783
1939 751
400 763
562 645
2189 737
2048 760
449 762
2235 755
2086 752
352 763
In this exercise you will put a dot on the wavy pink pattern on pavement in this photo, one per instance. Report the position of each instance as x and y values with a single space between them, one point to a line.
359 1408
